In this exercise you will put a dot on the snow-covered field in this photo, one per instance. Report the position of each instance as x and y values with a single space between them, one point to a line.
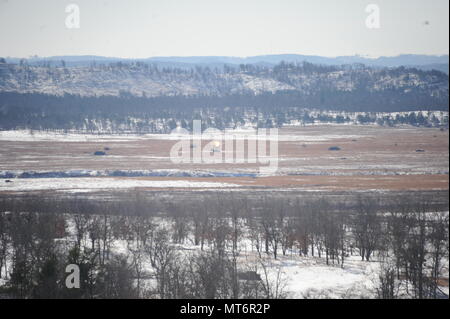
92 184
237 134
310 276
379 153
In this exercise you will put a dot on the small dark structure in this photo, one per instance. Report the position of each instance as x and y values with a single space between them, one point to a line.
99 153
8 181
420 151
249 276
106 148
334 148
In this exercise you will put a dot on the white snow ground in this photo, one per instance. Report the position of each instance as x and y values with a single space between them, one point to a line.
84 184
311 277
239 134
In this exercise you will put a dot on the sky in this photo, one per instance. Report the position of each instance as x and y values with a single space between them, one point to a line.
147 28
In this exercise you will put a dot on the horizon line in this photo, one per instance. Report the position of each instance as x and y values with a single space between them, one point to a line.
225 56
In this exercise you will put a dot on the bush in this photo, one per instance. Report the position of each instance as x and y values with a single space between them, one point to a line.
334 148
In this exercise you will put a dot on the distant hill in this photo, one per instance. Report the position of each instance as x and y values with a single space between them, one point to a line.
425 62
117 94
147 97
150 80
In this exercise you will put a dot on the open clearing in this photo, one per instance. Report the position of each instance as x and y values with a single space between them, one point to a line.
370 158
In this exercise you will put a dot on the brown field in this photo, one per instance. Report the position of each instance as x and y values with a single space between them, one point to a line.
341 183
371 158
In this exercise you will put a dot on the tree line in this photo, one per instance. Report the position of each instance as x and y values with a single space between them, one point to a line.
219 247
162 114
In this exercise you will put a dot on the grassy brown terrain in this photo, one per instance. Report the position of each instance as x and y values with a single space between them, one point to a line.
370 158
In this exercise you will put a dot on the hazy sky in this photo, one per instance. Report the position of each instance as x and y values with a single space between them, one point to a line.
145 28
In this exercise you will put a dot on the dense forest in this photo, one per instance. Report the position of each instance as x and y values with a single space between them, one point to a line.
161 114
142 97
